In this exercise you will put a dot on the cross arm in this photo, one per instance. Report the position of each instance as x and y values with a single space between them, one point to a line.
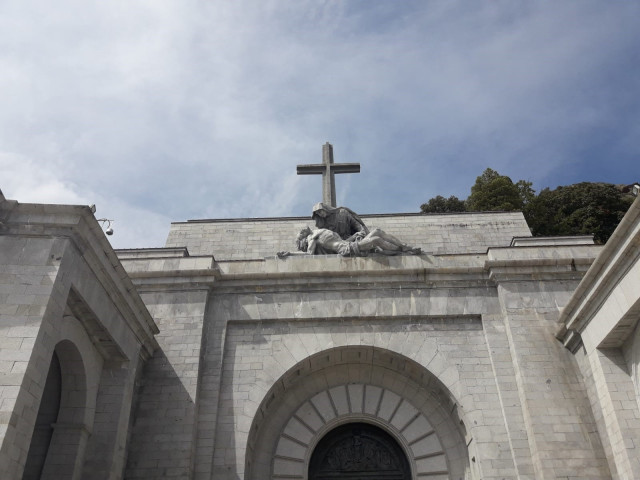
346 167
314 169
310 169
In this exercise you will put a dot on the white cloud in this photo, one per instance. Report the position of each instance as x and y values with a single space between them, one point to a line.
188 109
30 182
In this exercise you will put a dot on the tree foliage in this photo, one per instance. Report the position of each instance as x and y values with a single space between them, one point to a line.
526 192
582 208
439 204
493 191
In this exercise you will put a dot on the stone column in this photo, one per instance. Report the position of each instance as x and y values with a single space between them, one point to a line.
106 448
560 424
163 437
614 403
66 451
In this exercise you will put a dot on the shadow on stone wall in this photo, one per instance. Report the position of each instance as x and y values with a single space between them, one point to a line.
161 441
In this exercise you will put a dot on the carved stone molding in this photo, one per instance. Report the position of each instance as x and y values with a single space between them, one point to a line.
364 403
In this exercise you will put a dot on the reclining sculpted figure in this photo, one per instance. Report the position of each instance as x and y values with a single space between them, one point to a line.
322 241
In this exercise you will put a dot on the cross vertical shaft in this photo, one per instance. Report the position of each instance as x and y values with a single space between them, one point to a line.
328 169
328 176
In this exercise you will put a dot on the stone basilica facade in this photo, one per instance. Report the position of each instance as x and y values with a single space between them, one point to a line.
491 355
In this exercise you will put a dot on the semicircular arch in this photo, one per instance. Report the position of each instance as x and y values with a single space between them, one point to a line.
356 384
81 368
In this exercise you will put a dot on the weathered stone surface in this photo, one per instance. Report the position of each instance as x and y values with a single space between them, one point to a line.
454 353
63 291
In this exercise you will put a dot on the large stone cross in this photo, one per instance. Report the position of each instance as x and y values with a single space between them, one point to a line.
328 169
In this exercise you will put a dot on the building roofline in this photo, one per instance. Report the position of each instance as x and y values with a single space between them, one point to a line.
367 215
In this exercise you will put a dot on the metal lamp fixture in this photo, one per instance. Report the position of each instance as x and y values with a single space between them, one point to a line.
109 229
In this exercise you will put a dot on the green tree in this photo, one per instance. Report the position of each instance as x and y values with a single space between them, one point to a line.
582 208
439 204
579 209
493 191
526 191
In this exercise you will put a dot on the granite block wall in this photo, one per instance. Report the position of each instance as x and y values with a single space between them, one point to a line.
263 237
481 326
561 427
163 433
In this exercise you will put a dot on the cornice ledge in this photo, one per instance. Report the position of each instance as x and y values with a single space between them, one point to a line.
539 263
325 266
158 272
78 224
614 261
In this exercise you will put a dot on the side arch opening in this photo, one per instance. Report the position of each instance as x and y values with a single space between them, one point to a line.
47 417
60 433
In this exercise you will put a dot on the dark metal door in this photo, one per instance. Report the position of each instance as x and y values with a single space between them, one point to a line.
358 451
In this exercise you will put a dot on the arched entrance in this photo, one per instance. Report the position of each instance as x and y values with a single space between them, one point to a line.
358 451
356 385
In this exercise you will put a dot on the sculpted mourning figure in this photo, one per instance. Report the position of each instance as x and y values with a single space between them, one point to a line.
343 221
323 240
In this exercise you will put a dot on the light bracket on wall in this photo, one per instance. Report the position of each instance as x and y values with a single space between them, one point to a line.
103 221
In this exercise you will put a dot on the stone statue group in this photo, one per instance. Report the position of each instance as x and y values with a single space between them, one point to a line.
340 230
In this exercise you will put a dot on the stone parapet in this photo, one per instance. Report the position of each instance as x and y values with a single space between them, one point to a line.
236 239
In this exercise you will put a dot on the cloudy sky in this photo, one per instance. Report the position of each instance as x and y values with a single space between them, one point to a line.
161 111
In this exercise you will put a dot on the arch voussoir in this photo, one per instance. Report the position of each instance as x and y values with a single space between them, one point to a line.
356 385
